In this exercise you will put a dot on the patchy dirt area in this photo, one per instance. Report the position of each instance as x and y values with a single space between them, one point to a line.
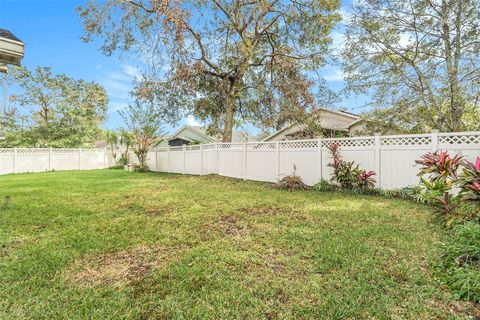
233 226
268 210
121 267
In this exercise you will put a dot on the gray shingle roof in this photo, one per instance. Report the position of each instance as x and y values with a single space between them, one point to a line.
8 35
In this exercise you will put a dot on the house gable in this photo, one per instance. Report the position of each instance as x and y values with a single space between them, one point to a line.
329 120
188 133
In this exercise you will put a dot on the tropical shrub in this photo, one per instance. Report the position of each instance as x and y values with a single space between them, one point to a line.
439 165
469 181
438 178
347 174
460 266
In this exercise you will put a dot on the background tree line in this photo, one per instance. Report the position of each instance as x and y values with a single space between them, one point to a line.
52 110
260 62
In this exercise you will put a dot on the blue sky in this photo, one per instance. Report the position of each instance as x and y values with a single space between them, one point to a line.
51 31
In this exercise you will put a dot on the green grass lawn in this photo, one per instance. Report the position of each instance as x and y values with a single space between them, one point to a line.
113 245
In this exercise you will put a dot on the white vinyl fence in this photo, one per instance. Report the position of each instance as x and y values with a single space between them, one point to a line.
19 160
391 157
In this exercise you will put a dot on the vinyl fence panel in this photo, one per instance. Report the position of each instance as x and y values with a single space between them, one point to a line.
20 160
391 157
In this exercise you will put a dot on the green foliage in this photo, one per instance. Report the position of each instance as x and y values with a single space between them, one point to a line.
413 62
439 175
348 175
460 267
469 181
64 112
111 137
243 61
324 185
144 127
212 247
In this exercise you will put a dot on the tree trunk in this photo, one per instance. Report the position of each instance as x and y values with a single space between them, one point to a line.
229 118
451 61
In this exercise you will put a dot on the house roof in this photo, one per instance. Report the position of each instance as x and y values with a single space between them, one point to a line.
355 118
8 35
11 49
201 131
237 136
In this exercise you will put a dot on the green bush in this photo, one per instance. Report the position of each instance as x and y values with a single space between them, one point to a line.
348 175
456 195
324 185
460 266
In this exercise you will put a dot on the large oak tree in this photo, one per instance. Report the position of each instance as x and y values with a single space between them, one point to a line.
418 58
222 60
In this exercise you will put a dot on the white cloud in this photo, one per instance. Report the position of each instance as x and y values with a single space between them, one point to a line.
132 71
191 121
405 40
119 83
346 14
338 41
335 75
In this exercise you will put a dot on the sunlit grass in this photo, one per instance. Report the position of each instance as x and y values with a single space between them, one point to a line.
108 244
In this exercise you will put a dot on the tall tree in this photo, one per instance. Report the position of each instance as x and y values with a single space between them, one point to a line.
418 57
226 60
65 112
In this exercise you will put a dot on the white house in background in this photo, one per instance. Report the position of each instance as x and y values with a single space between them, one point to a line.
11 50
332 122
198 135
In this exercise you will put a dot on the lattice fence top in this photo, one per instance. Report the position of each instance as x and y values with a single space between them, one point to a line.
456 139
208 147
406 141
194 147
444 140
304 145
262 146
33 151
230 146
349 142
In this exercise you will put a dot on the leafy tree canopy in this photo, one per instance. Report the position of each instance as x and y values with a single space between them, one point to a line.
64 112
222 60
417 58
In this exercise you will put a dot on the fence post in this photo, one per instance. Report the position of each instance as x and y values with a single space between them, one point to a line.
319 146
104 157
377 158
201 160
434 140
14 160
79 157
50 159
277 158
168 159
216 159
156 158
244 161
184 157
